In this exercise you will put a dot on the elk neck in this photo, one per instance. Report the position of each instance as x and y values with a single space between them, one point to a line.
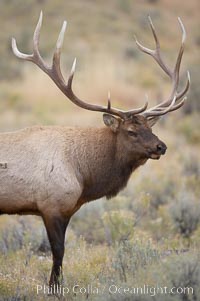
103 163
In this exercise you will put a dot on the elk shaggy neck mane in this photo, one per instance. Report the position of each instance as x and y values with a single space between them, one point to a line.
103 163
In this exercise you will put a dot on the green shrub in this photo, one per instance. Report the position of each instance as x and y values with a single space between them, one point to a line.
118 225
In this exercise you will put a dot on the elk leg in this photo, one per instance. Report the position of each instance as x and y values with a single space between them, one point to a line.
56 228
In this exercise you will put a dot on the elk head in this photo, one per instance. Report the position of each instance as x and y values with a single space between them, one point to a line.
133 126
136 137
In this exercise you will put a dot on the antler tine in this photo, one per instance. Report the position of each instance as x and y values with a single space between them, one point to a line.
109 101
138 111
154 32
175 74
184 91
20 54
166 106
179 96
36 35
71 76
154 53
57 53
35 57
60 39
178 105
162 111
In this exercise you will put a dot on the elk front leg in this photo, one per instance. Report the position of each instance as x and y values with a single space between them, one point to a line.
56 228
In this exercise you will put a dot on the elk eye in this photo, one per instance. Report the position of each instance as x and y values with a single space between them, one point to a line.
133 134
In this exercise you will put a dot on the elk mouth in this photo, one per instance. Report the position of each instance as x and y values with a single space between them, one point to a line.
154 156
159 150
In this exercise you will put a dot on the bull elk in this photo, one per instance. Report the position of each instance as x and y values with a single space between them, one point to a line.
51 171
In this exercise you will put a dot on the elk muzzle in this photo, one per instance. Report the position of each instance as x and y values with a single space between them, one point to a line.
160 149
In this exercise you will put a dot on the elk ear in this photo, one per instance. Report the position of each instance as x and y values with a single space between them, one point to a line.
152 121
111 122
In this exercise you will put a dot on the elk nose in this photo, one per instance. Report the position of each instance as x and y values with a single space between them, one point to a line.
161 148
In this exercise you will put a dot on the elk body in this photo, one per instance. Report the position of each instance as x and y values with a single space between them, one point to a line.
51 171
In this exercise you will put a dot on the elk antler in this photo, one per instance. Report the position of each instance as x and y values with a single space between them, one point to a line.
176 99
54 72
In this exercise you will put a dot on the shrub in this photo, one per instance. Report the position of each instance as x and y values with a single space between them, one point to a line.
119 225
18 232
189 128
191 165
185 213
184 272
178 272
160 189
193 104
88 223
131 256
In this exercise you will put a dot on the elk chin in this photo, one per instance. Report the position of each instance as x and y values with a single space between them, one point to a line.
155 156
